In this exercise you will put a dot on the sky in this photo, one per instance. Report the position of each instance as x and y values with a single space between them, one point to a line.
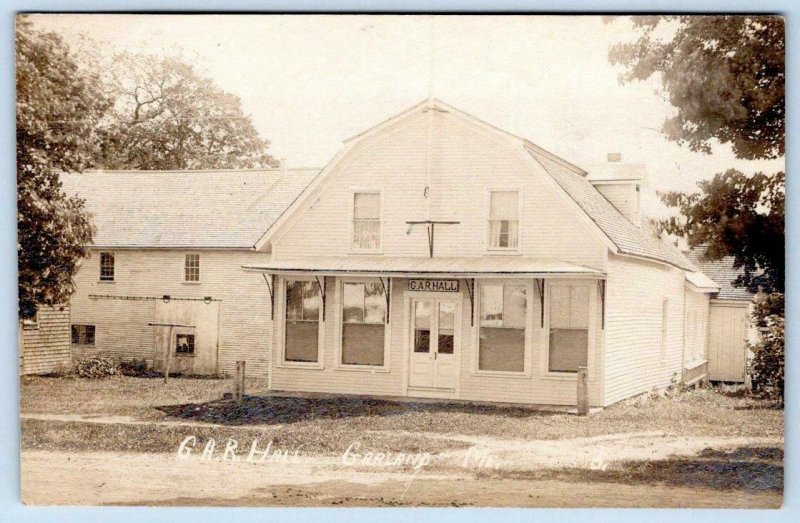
311 81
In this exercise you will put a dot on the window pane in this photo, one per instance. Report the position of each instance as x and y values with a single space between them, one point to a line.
302 340
447 322
569 349
362 344
294 300
353 297
374 303
311 300
422 326
504 205
184 343
502 349
366 234
76 334
106 266
192 267
559 306
579 307
492 305
367 206
514 307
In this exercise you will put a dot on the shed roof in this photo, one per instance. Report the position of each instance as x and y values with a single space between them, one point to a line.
701 283
444 267
722 272
185 209
628 238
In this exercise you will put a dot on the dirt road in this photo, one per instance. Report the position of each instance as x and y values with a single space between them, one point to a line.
489 473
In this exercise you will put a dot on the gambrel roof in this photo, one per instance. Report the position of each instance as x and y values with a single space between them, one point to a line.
628 238
219 209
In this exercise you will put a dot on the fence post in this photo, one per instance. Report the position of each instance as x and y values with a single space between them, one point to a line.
583 391
238 388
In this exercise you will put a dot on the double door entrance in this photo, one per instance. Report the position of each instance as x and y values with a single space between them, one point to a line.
435 340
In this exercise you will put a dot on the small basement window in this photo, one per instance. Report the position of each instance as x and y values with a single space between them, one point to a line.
83 334
106 266
191 268
184 344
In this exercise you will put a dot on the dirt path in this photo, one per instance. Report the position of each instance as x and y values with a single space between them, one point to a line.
159 479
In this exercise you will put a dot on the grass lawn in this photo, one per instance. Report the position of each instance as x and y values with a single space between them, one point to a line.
327 425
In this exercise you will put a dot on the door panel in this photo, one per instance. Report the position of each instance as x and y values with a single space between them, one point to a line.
421 372
727 343
434 343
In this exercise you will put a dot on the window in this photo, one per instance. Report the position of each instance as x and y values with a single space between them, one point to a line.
106 266
664 330
504 220
33 322
363 323
83 334
303 302
191 267
367 221
503 313
569 327
184 344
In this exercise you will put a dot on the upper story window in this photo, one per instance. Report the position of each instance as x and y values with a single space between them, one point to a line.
106 266
504 220
191 268
366 221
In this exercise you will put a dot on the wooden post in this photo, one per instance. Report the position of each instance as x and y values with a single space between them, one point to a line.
583 391
169 354
238 387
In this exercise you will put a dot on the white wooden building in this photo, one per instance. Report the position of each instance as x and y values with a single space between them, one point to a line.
729 320
434 256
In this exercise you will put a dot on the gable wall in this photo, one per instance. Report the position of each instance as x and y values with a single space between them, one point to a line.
466 162
121 325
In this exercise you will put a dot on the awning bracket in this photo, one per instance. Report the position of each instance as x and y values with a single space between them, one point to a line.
270 286
321 285
540 288
471 292
386 292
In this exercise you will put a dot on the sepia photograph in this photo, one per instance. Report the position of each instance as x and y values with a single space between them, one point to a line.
384 260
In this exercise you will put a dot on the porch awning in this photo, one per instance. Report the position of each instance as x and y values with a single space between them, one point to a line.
484 267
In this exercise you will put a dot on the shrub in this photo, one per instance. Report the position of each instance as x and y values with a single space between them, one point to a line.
136 369
767 365
96 367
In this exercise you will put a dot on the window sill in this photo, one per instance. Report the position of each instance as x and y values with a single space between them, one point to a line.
299 365
191 282
106 281
501 374
358 251
504 252
364 368
185 355
561 376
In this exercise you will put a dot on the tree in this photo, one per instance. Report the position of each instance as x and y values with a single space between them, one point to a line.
740 216
724 74
58 108
166 116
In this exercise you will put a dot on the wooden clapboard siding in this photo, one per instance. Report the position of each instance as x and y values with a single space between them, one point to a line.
622 196
467 161
532 389
697 315
634 294
121 325
46 345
